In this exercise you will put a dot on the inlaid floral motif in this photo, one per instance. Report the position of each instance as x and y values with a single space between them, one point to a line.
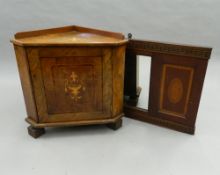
74 86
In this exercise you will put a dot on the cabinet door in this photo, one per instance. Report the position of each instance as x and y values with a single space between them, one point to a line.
176 81
69 83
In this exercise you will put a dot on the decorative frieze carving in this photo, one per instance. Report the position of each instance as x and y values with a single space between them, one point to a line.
149 46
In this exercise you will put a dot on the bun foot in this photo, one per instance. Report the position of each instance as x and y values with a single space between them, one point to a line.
115 125
35 132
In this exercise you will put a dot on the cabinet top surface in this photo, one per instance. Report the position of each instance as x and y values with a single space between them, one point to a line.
71 35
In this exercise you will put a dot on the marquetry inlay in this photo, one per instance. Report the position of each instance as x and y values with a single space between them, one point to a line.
175 90
74 86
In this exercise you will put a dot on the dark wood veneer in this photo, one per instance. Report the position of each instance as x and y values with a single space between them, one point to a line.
176 81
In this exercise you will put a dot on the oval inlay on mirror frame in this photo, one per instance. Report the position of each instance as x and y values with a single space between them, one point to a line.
175 90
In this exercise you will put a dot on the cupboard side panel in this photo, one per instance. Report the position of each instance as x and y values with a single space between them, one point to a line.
118 79
24 73
107 77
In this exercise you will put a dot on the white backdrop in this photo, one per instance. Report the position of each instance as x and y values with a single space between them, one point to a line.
181 21
137 148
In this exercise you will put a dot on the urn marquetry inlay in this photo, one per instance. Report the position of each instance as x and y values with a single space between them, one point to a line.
74 87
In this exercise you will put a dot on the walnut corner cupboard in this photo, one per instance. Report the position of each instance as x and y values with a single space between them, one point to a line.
71 76
80 76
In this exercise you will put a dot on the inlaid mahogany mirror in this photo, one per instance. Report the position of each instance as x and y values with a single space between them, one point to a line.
175 80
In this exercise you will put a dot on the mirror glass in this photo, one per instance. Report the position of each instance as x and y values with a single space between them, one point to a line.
143 80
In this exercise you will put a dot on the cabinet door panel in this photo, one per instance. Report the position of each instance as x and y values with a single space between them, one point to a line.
69 84
72 84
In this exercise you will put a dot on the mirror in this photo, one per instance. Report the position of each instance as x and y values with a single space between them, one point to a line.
143 80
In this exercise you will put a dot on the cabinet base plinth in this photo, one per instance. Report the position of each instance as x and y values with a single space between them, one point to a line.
35 132
116 125
37 129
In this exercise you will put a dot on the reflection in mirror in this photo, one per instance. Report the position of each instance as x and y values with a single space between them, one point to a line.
143 80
